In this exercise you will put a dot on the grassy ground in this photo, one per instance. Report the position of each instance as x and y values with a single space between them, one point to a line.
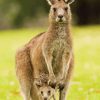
85 84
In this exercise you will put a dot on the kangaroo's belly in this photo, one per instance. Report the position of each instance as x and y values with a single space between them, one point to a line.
58 48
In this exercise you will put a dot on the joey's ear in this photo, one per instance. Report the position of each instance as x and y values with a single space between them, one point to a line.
51 2
53 85
69 1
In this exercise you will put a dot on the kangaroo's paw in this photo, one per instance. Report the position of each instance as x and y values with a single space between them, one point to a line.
61 84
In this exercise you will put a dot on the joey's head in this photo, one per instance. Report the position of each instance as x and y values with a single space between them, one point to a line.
60 11
45 92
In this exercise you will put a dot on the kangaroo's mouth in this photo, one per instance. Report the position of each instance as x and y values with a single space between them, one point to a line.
60 20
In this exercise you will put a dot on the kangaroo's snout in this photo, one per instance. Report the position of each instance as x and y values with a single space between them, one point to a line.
60 16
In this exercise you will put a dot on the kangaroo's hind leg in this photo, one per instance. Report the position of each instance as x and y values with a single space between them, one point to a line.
24 72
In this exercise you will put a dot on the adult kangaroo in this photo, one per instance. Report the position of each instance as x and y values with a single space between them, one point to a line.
50 52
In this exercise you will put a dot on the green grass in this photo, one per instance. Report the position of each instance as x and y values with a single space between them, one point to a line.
85 84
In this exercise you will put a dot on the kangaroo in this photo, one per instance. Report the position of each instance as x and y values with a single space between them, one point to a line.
50 52
45 92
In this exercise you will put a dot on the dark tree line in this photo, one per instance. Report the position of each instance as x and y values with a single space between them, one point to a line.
29 8
16 11
88 11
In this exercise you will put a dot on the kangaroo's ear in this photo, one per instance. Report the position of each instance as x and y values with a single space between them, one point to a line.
53 86
51 2
69 1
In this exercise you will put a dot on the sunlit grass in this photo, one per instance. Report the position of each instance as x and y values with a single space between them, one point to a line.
85 84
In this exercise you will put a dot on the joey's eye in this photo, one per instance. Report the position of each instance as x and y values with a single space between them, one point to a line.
66 8
42 92
54 9
49 92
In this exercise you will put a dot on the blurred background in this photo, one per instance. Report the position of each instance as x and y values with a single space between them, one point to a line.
20 20
27 13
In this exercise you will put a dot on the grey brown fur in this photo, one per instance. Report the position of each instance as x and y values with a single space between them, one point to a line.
49 53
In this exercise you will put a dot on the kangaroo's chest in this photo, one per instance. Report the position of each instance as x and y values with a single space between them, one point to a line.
59 43
58 48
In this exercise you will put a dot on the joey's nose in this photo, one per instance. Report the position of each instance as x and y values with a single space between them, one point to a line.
45 98
60 16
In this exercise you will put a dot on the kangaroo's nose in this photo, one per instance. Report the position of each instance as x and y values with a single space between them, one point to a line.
60 16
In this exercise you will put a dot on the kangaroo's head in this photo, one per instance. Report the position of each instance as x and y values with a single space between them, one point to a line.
60 11
44 91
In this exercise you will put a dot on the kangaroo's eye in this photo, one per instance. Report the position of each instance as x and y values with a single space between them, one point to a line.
42 92
66 8
54 9
49 92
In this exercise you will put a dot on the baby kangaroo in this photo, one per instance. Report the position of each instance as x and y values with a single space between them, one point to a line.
44 91
50 52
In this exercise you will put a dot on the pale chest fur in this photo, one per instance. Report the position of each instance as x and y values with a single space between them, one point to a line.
59 45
